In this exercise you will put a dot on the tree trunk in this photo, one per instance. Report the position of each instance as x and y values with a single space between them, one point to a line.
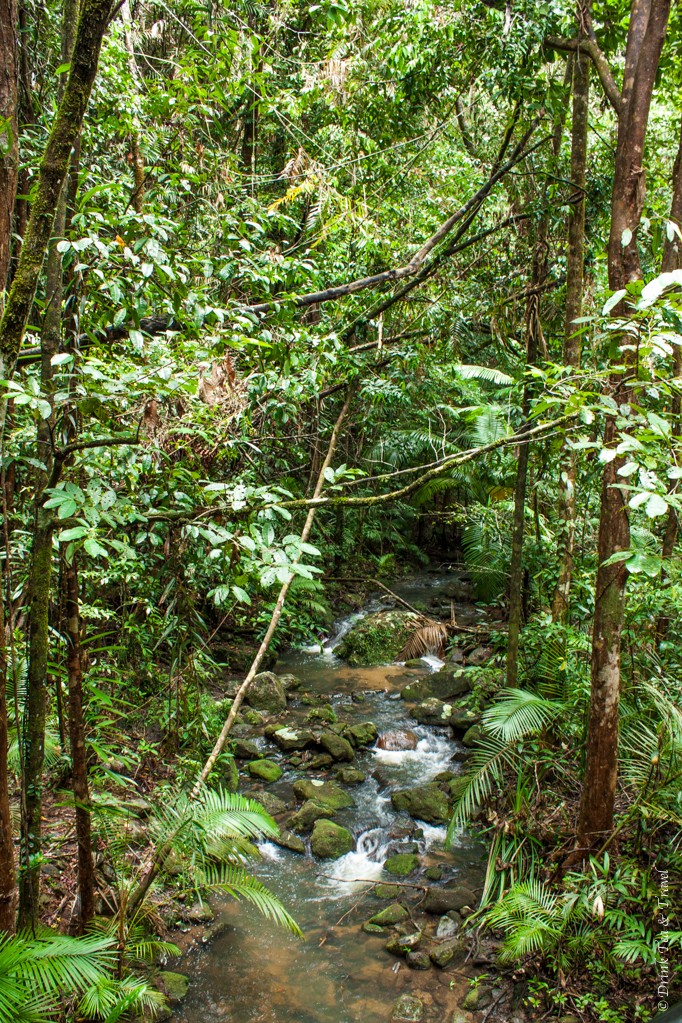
9 134
79 766
648 23
53 168
533 330
672 260
137 198
34 718
575 265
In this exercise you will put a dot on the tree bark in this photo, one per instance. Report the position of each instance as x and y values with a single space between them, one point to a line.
79 765
9 133
672 260
53 168
648 23
137 198
33 739
575 265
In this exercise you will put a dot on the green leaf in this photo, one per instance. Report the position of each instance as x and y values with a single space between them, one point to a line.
656 505
612 302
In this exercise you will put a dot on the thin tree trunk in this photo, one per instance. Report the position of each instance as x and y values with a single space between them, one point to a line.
575 267
533 329
9 133
79 765
648 23
137 198
160 854
33 739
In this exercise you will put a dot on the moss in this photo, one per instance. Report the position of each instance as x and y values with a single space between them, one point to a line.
377 639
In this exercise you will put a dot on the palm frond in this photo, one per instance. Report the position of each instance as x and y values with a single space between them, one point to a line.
486 770
487 374
429 638
517 713
239 884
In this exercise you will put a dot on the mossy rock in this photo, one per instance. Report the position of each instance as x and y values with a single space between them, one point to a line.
266 693
473 736
287 840
404 943
363 734
324 713
271 803
319 763
328 793
252 717
378 639
369 928
456 786
385 891
174 986
268 770
402 864
336 746
350 775
311 811
329 841
408 1009
424 802
432 712
392 914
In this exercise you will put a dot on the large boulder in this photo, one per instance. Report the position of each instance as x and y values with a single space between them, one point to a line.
425 802
266 692
326 793
446 684
329 840
401 739
336 746
378 639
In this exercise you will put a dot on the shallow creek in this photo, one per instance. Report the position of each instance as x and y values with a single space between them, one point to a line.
255 971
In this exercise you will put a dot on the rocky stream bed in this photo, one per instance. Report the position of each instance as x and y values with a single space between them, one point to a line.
359 763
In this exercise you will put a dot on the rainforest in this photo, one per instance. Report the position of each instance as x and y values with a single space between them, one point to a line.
340 461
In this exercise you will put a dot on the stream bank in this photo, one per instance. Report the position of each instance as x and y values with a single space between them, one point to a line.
382 915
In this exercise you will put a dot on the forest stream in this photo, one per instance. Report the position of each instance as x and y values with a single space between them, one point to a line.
252 970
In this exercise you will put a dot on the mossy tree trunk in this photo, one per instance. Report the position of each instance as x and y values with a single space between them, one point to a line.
9 168
79 765
92 24
575 272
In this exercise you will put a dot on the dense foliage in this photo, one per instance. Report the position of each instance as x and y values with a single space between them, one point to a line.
181 367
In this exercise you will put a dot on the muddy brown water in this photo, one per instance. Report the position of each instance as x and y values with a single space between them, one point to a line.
255 972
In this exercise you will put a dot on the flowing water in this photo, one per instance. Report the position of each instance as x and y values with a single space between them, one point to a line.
254 971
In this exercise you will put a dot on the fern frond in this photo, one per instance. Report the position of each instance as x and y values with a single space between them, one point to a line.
485 373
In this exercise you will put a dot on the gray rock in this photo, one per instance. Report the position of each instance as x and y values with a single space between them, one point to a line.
446 684
287 840
271 803
447 927
480 655
432 712
418 960
442 900
349 775
472 736
289 739
478 998
244 749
